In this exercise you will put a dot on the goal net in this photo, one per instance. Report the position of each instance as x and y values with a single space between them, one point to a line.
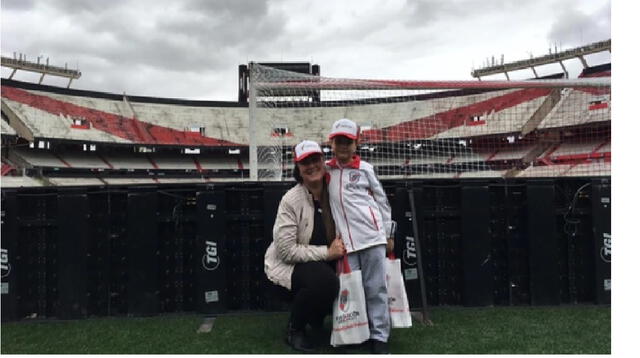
435 129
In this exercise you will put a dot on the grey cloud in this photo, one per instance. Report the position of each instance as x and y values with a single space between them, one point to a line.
21 5
84 6
195 38
424 12
575 28
234 30
245 8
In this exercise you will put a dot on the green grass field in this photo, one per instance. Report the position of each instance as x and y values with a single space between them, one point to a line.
456 330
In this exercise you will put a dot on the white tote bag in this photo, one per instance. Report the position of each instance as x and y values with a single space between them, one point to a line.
350 321
398 302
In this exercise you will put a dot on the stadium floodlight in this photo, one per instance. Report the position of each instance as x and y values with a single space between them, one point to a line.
23 64
557 57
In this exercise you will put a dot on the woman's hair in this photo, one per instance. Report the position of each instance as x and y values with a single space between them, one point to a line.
296 173
327 217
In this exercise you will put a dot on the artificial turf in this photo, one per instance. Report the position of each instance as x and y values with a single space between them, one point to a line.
575 329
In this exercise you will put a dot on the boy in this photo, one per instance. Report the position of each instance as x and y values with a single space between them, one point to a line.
363 219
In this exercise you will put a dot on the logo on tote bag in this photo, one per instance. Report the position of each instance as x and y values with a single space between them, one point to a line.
344 300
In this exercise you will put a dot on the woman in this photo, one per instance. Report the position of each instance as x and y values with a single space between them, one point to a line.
304 244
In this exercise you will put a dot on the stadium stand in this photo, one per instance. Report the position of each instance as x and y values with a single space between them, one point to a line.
81 137
512 153
73 117
593 108
127 161
83 160
20 182
503 114
545 171
7 130
61 181
167 161
212 163
35 158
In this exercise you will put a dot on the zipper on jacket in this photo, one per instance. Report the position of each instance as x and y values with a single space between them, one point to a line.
373 216
344 213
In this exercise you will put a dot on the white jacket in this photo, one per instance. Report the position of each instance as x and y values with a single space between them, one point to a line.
292 233
359 205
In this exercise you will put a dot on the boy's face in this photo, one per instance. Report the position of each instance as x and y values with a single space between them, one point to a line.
343 148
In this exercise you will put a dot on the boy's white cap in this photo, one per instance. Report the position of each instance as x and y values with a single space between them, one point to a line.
345 127
305 149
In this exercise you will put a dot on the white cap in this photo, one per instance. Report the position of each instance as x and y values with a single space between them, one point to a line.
305 149
345 127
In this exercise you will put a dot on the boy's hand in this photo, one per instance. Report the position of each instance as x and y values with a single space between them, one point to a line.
390 245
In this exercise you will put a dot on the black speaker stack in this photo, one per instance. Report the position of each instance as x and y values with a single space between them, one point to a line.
72 253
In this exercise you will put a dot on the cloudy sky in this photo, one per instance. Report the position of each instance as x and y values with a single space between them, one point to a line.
192 48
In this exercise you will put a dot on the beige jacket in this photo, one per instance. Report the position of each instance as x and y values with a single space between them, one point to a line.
292 232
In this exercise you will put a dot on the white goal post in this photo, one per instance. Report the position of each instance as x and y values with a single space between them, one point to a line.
435 129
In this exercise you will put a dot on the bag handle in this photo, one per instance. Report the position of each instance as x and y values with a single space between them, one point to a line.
342 265
345 263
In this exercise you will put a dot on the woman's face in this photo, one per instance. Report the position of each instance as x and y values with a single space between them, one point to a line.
312 168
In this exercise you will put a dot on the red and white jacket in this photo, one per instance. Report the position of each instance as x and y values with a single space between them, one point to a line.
359 205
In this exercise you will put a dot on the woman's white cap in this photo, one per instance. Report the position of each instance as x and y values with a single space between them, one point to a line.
305 149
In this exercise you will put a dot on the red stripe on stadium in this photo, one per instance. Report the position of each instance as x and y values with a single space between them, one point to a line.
128 128
6 168
596 149
598 106
62 160
105 161
153 163
476 123
429 126
492 155
198 166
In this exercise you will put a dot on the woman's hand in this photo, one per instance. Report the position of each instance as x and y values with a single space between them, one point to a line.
390 245
336 250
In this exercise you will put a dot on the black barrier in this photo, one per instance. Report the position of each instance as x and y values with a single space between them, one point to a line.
99 254
176 235
118 259
142 254
543 245
8 254
574 220
601 200
211 258
245 229
35 263
137 250
442 238
476 246
498 233
517 236
73 213
405 246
